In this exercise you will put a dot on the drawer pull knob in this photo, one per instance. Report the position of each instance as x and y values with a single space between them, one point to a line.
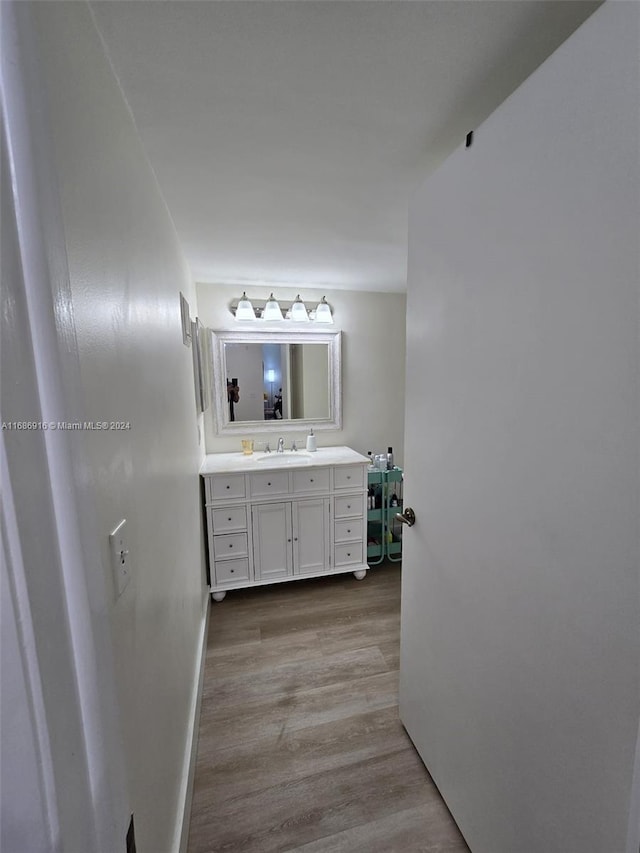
268 484
348 553
228 487
288 540
229 519
231 545
232 571
295 538
311 479
348 531
348 506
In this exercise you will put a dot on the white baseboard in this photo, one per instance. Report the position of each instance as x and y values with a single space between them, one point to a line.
183 814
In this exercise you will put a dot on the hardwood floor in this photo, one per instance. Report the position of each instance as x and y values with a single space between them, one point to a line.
300 745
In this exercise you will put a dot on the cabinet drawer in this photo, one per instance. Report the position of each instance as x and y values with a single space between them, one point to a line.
225 486
230 571
346 531
270 483
348 477
228 519
348 505
349 553
230 545
315 480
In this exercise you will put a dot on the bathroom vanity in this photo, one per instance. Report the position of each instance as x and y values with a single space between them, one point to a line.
275 517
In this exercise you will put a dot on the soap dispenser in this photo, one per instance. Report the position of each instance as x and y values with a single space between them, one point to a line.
311 442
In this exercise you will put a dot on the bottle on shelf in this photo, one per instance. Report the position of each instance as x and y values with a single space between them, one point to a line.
389 458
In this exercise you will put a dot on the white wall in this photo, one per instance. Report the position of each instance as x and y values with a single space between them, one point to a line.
524 261
373 356
126 269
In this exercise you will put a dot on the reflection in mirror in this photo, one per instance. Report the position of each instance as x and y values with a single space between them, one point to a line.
262 379
277 381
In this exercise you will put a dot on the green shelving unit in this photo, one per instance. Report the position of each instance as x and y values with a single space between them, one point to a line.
384 533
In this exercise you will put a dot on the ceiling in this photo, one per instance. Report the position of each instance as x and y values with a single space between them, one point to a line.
287 137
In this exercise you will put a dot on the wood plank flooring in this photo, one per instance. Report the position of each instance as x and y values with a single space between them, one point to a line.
300 745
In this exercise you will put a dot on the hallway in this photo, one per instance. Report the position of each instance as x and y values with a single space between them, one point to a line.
300 746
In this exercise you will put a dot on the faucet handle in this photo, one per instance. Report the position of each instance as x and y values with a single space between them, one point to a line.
294 446
267 449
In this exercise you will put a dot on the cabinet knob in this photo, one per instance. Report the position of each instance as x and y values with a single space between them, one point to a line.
268 484
348 506
348 553
288 540
348 476
311 479
348 531
295 538
229 519
228 487
231 545
232 570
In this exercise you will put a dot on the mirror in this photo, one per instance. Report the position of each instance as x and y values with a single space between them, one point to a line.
268 381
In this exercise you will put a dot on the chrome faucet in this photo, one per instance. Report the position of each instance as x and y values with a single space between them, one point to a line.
280 445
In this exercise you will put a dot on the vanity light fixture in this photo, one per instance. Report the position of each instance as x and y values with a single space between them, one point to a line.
245 311
299 311
272 310
323 312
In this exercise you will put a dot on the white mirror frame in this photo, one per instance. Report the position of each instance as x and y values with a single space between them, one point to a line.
224 426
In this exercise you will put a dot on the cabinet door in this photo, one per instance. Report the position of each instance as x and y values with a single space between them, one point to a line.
272 540
311 536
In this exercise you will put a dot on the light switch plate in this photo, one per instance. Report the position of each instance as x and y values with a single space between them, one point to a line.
120 556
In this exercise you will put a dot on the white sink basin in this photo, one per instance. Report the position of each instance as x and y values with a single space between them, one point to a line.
289 457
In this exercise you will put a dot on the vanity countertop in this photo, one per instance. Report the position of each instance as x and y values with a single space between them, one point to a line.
237 463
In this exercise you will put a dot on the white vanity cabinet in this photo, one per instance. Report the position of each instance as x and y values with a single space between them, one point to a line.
279 517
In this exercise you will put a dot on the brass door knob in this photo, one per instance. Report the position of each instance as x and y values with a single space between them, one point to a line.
407 517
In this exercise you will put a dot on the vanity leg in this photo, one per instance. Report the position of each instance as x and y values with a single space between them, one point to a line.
360 574
218 596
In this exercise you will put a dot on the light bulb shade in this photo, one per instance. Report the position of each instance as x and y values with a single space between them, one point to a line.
245 311
271 375
272 310
299 311
323 312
